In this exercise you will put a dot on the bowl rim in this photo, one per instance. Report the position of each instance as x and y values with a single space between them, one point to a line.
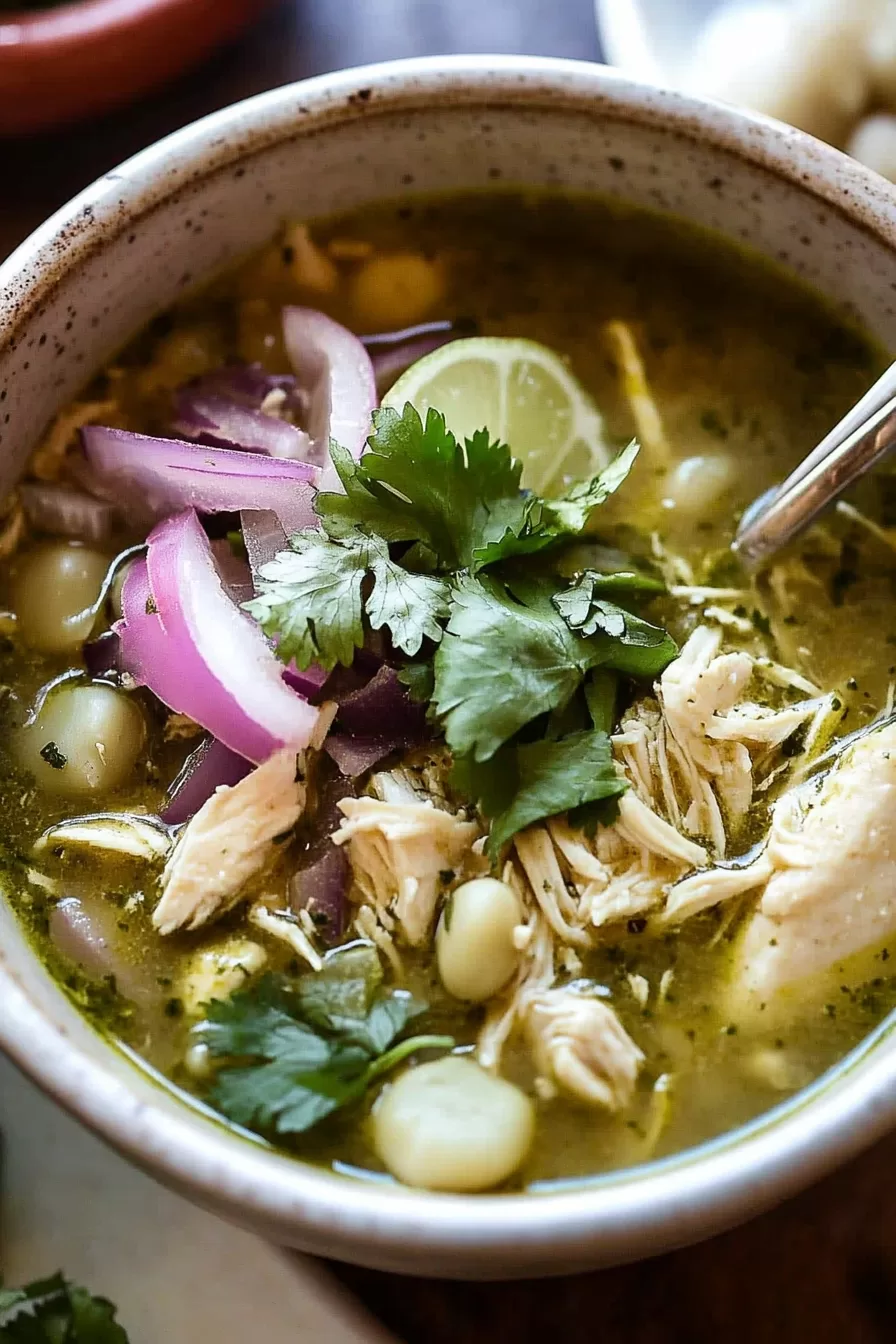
611 1218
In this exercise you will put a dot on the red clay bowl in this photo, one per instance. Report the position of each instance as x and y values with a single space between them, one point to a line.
75 60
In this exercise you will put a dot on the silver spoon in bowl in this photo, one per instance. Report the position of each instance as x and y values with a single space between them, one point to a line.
864 436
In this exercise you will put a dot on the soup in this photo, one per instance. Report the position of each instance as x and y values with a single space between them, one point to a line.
498 829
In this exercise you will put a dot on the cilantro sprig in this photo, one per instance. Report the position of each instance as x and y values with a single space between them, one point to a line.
298 1050
434 542
54 1311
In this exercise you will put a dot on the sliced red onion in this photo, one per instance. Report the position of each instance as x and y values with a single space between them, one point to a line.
394 351
335 371
383 708
321 889
208 418
252 385
185 639
87 929
167 475
101 655
356 755
65 512
263 536
235 573
307 683
211 766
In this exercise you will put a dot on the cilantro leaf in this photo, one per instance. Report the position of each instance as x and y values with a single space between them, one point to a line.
642 649
569 513
536 524
301 1049
54 1311
417 483
419 678
530 781
313 597
503 662
409 605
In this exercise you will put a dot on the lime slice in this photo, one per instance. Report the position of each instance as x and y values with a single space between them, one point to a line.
522 393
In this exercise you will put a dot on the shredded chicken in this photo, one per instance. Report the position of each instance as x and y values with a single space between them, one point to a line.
231 840
830 863
579 1045
404 855
286 926
690 757
636 388
535 972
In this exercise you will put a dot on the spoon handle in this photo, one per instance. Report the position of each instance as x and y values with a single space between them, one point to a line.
877 396
809 490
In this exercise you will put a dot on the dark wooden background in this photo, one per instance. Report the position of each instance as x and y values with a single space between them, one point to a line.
820 1269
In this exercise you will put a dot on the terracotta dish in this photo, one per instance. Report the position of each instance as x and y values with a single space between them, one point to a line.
76 60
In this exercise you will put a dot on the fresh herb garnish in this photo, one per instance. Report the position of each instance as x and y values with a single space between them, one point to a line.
54 1311
435 542
315 596
303 1048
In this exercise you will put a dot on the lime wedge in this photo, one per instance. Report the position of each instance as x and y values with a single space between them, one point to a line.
522 393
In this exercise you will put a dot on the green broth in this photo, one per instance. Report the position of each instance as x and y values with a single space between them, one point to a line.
741 360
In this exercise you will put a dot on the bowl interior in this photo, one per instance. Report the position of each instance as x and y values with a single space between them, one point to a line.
129 246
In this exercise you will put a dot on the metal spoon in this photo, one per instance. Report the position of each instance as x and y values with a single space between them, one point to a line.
864 436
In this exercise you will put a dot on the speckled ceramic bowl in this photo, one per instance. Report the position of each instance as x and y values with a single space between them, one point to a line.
128 245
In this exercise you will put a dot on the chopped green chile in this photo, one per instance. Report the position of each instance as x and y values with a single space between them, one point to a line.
618 1032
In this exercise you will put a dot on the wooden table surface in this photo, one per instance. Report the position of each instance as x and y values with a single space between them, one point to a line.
823 1267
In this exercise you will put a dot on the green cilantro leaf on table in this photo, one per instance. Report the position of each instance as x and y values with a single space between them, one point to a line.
54 1311
313 598
298 1050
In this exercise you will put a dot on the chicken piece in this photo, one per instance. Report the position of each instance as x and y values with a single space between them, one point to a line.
691 758
286 926
579 1045
231 839
217 972
832 855
710 887
404 855
536 852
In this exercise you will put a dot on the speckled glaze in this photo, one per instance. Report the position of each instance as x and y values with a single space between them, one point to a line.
124 248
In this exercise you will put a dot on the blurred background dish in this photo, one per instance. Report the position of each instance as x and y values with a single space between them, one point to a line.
66 61
826 66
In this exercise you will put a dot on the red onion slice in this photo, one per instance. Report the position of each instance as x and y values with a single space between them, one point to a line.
168 475
263 536
211 766
321 889
394 351
335 371
356 755
208 418
383 708
64 512
185 639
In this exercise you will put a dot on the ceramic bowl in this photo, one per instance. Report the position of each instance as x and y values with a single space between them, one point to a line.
81 58
99 269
